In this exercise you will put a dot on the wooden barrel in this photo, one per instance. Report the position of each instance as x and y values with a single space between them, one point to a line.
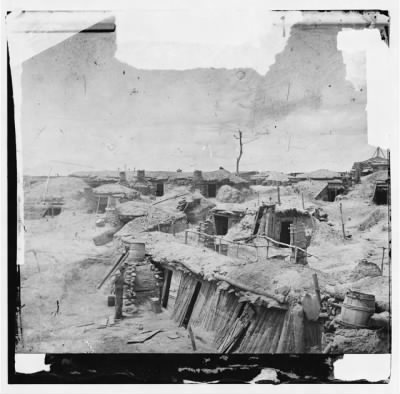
357 308
137 251
222 249
111 300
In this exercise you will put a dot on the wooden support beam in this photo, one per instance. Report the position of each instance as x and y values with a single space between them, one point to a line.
316 288
277 297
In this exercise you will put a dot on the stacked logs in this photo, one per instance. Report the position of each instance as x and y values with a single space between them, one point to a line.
182 204
158 275
130 277
207 227
330 308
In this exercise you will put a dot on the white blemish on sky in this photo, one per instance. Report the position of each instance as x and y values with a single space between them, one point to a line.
364 50
187 39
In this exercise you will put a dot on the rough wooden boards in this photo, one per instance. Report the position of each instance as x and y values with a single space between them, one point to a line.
144 336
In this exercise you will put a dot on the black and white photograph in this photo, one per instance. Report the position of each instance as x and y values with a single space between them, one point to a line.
202 182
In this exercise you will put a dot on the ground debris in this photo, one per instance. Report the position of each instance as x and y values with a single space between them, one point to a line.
144 336
360 341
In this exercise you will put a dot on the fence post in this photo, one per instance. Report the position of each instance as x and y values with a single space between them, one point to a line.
267 247
186 236
341 218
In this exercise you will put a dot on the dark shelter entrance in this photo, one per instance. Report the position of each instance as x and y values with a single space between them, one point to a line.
285 233
332 193
159 189
165 290
381 196
52 211
221 224
212 190
189 311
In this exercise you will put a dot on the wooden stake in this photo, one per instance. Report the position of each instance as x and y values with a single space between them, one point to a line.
98 205
186 237
279 196
302 199
341 218
192 337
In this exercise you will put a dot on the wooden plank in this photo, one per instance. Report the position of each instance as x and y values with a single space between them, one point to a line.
118 262
142 337
192 337
316 288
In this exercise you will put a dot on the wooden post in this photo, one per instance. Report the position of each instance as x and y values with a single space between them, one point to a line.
302 199
186 237
219 246
295 254
341 218
119 295
298 329
237 251
173 229
383 256
166 287
192 337
267 247
316 288
279 196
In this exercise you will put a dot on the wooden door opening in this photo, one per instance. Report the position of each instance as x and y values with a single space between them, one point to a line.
52 211
333 192
285 233
221 224
212 190
257 219
102 204
166 288
381 196
189 310
159 189
331 195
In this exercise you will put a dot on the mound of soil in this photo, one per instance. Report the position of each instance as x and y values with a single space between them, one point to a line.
364 269
360 341
227 193
66 187
372 219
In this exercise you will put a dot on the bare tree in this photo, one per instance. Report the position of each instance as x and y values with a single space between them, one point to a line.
239 137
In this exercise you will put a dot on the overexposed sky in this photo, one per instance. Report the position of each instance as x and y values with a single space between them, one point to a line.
170 87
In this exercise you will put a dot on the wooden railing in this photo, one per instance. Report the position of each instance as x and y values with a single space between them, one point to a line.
275 244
